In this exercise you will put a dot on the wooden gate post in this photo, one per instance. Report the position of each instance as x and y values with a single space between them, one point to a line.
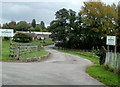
1 46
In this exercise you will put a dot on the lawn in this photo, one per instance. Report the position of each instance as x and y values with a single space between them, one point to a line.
35 54
98 71
5 50
94 59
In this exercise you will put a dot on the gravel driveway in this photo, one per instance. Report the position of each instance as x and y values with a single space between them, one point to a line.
58 69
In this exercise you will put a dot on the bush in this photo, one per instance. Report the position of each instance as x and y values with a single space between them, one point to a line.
22 37
102 54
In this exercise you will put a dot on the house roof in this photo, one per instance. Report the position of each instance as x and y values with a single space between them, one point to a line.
32 34
48 33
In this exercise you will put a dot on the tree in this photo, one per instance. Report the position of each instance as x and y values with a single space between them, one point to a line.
66 28
12 25
22 26
42 25
37 28
118 36
99 20
34 23
5 26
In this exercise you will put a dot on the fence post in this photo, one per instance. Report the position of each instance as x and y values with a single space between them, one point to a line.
11 50
17 54
1 46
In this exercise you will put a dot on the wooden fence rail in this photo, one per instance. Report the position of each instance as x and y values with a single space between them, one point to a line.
16 50
113 61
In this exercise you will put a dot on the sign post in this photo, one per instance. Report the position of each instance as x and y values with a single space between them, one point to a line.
5 33
111 40
0 46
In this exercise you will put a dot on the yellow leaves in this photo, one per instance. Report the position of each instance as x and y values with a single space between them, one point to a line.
104 28
82 12
95 30
89 21
99 9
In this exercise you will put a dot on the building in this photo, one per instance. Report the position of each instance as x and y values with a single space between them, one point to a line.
41 35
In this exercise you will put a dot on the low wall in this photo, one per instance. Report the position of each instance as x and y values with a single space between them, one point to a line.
35 59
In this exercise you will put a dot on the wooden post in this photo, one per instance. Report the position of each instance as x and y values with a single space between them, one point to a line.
17 53
108 48
1 46
115 49
116 64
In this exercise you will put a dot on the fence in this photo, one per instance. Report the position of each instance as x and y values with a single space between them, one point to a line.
16 50
113 61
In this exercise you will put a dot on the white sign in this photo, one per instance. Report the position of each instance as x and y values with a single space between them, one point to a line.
6 33
111 40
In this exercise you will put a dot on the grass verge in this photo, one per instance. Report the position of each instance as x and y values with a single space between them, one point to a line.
6 45
95 60
35 54
98 71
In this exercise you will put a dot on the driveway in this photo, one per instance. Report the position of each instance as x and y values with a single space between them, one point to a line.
58 69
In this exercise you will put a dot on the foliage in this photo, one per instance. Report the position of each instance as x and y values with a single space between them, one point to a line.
102 54
22 26
22 37
37 28
99 21
31 29
65 29
33 23
42 25
89 28
10 25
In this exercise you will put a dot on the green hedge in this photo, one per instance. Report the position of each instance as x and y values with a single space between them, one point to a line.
22 37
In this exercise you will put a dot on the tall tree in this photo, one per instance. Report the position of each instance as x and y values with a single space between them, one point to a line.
42 25
37 28
66 28
12 25
34 23
99 20
22 26
5 26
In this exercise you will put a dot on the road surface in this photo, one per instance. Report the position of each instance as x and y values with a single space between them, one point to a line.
58 69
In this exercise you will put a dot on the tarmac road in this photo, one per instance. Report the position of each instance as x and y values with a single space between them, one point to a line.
58 69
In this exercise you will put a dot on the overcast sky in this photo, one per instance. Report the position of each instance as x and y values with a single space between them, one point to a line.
39 10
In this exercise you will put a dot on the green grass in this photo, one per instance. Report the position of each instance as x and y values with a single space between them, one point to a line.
35 54
38 42
95 60
46 42
98 71
5 50
104 76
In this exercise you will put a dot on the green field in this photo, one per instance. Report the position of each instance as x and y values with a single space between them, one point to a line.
98 71
5 50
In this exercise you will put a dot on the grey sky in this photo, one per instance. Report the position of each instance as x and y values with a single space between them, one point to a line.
39 10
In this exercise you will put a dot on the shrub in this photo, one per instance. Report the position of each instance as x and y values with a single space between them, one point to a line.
22 37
